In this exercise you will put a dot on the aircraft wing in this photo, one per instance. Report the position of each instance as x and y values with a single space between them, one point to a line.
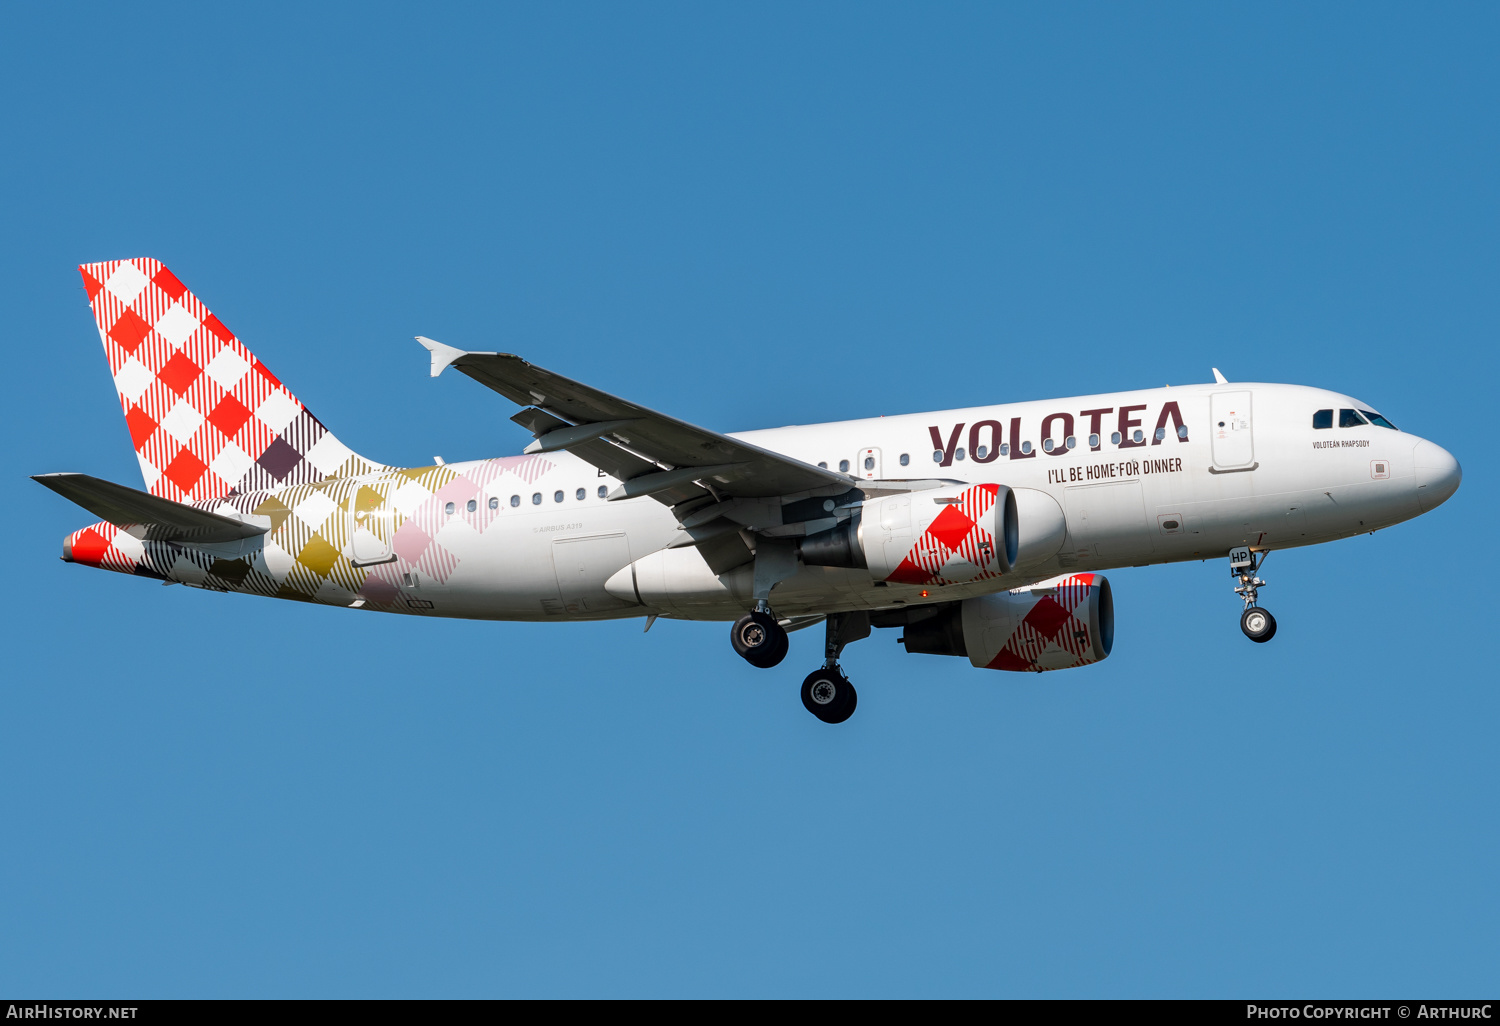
163 519
652 453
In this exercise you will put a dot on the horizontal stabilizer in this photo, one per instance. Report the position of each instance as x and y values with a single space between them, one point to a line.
163 519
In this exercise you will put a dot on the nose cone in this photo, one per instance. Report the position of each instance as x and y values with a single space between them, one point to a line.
1437 473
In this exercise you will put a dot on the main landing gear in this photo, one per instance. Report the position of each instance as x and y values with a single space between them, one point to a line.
826 692
759 638
1257 623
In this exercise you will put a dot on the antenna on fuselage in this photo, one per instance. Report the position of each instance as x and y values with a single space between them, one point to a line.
1220 379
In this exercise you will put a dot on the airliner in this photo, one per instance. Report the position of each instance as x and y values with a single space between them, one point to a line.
979 533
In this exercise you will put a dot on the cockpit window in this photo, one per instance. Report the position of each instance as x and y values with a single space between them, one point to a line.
1378 420
1322 419
1350 418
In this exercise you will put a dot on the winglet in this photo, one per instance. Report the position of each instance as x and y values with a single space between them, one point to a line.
1218 378
442 355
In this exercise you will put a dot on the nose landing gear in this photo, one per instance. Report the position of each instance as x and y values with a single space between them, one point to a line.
826 692
1257 623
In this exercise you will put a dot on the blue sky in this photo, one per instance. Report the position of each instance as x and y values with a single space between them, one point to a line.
752 216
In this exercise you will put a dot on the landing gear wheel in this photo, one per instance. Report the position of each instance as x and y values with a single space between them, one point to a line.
759 639
829 696
1258 624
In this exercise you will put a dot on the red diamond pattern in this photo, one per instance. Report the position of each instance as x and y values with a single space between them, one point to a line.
950 548
141 425
168 283
1047 617
177 370
185 470
1056 624
229 416
130 330
951 526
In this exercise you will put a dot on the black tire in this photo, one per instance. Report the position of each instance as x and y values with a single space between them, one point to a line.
1258 624
759 639
829 696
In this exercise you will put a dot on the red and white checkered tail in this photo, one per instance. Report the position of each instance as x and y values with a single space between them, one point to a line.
207 418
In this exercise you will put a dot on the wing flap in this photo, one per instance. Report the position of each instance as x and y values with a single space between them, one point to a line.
163 519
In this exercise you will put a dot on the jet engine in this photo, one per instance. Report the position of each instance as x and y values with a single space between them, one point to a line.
933 536
943 535
1064 622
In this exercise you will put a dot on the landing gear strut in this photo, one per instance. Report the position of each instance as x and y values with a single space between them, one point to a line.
1257 623
826 692
759 638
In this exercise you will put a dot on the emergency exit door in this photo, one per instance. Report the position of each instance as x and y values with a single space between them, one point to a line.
1230 429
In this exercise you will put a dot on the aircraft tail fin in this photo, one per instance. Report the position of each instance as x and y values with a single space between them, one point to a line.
207 419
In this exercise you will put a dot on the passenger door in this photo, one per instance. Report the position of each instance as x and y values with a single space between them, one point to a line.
1230 428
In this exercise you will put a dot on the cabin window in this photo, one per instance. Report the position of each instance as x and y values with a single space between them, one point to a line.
494 502
448 509
1071 442
1138 436
843 466
1161 434
905 458
1182 432
937 455
1048 445
823 465
557 496
1351 418
471 505
515 500
869 462
1378 420
1004 448
1093 441
581 494
536 498
958 454
1115 438
1026 448
603 491
981 452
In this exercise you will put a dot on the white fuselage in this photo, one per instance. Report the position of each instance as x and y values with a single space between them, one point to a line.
1251 470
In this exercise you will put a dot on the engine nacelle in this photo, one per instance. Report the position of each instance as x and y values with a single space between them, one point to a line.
1064 622
934 536
944 535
